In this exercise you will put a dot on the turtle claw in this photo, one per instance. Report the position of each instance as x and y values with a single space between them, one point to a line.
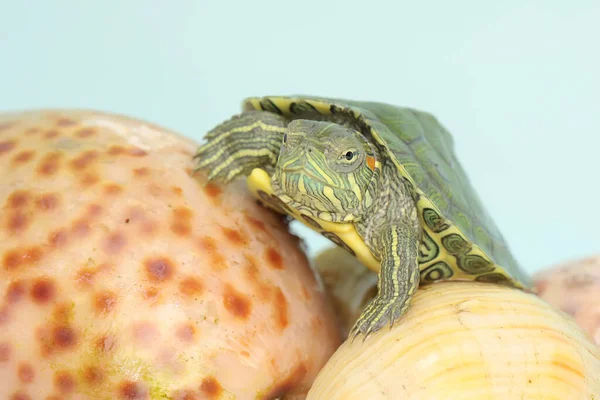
213 178
207 162
376 315
201 156
240 144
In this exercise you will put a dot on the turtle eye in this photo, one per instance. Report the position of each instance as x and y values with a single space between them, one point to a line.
285 138
349 155
346 160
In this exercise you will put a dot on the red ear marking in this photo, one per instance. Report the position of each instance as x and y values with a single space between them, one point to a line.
371 163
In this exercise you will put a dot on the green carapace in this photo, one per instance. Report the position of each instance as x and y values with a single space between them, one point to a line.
381 181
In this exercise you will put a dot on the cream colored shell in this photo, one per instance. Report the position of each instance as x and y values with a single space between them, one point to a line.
461 340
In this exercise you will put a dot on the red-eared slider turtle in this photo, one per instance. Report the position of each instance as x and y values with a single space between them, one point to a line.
379 180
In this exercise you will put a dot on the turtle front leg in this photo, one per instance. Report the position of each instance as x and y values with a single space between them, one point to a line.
398 279
237 146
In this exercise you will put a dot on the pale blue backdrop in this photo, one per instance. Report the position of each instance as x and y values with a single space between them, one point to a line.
516 82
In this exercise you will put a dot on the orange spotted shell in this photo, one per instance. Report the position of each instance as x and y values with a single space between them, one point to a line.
123 277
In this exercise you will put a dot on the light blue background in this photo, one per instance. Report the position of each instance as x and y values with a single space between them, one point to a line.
515 82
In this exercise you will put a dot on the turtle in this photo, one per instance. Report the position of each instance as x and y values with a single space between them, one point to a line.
381 181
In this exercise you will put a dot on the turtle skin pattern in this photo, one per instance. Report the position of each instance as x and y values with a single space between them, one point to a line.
459 239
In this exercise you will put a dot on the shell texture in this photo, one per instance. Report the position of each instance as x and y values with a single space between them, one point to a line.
123 276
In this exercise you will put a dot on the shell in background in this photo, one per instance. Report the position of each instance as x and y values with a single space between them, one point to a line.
123 277
349 283
574 287
461 340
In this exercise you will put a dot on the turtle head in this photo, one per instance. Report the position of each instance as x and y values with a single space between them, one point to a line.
326 170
